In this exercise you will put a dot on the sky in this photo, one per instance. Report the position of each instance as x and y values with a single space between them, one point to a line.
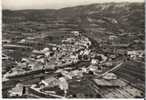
52 4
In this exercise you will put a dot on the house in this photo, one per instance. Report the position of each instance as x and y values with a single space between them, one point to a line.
54 48
110 76
17 90
76 33
36 56
112 37
22 41
24 60
86 52
93 68
102 58
135 54
5 57
109 83
49 82
74 58
68 40
94 61
45 50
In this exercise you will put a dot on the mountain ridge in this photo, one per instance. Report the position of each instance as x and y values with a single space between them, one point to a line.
97 20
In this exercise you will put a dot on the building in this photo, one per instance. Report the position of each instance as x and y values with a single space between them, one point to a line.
76 33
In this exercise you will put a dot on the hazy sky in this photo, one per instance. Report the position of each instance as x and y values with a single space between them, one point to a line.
52 4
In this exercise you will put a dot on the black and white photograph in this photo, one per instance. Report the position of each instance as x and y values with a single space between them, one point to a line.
73 49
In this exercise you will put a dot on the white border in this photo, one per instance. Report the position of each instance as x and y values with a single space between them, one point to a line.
46 98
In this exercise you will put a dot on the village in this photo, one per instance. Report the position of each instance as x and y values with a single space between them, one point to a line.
74 68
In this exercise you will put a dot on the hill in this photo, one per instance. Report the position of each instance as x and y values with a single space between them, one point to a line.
98 20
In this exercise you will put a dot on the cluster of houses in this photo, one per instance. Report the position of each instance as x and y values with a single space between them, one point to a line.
135 54
56 55
71 51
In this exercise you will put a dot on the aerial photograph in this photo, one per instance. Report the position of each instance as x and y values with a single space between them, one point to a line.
73 49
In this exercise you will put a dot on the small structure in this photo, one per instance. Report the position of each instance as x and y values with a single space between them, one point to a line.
22 41
54 48
93 68
76 33
68 40
63 85
24 60
110 76
134 54
49 82
112 37
74 58
108 64
45 50
5 57
17 90
86 52
109 83
102 58
94 61
37 52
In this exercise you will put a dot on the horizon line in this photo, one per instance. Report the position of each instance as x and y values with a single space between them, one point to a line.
67 7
